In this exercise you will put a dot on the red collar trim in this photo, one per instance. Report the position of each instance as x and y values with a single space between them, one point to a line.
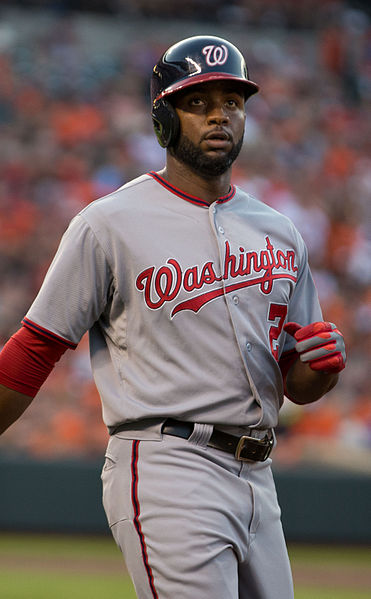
187 196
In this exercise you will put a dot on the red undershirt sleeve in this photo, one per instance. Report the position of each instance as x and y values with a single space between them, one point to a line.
28 358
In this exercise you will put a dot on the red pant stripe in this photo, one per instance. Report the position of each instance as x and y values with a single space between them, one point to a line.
136 506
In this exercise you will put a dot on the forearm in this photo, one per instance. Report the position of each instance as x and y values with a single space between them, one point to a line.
304 385
12 406
25 362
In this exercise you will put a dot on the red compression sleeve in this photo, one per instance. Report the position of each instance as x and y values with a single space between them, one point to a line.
27 359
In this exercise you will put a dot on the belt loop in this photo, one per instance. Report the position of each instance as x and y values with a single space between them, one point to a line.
201 434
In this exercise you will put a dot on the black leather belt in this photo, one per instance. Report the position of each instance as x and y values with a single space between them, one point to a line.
244 448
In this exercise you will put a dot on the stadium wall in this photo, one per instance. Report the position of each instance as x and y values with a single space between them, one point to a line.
317 506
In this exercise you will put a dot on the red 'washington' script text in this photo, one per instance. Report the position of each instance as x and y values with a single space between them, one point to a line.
164 284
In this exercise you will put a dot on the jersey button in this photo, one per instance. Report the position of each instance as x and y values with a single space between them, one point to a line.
248 346
235 299
221 230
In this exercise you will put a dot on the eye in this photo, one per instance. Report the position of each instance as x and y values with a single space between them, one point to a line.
196 101
234 102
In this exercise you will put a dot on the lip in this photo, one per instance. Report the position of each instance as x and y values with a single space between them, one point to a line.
218 134
217 139
217 144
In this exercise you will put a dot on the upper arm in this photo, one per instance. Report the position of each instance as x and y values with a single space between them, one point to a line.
75 290
304 306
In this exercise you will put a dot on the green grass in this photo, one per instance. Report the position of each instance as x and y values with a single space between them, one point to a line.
37 585
316 593
39 567
68 567
58 546
331 555
338 566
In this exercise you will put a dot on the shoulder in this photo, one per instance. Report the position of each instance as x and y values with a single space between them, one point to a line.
121 199
265 220
258 209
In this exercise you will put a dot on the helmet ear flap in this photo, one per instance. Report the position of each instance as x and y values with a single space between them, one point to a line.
165 122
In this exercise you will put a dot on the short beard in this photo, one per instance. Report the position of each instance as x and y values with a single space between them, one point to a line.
207 166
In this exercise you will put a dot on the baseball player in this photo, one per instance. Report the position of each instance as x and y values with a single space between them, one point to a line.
202 313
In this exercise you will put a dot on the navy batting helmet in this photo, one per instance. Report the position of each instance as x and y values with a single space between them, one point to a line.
193 60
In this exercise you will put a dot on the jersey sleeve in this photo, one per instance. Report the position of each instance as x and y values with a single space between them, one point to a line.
76 287
304 306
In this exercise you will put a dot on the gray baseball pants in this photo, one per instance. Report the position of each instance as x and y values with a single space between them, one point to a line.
192 521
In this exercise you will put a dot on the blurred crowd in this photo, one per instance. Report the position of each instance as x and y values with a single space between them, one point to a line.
286 14
75 125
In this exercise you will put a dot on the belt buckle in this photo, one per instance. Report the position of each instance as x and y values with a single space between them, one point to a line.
259 449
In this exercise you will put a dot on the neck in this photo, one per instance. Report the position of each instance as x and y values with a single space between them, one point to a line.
207 189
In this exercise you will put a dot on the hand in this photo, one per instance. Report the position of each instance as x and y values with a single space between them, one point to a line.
320 344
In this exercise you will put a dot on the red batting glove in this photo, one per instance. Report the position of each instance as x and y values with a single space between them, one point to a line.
320 344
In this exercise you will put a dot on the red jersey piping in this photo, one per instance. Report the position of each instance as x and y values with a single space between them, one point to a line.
186 196
38 329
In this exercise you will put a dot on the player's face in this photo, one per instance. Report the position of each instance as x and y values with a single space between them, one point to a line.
212 121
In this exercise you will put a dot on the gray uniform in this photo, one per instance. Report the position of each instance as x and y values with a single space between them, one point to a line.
185 304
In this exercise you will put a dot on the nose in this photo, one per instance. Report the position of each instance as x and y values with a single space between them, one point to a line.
217 114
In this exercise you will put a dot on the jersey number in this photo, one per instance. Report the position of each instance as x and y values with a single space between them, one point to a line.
276 314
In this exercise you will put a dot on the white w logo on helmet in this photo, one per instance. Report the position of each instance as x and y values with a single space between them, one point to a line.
215 54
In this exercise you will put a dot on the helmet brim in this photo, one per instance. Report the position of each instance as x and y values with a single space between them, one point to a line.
249 87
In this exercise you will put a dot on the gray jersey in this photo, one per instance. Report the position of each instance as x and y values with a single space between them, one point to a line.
184 302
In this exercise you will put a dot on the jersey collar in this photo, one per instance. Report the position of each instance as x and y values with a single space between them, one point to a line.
187 196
